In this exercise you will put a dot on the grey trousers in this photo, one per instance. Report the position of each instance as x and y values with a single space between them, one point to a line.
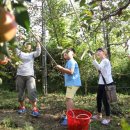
23 83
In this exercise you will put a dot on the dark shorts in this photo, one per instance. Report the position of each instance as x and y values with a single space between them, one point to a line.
23 83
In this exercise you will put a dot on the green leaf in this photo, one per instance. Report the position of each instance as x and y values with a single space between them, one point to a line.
87 27
1 2
87 18
82 14
22 16
13 44
76 0
126 17
118 34
5 74
82 2
125 125
89 13
4 49
84 26
94 5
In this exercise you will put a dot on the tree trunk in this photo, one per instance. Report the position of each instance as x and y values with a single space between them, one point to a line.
106 35
85 88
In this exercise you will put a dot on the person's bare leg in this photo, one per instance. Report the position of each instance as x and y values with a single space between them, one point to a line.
35 110
69 104
21 107
22 104
34 104
100 115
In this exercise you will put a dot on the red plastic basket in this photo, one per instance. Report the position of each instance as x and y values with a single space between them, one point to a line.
78 119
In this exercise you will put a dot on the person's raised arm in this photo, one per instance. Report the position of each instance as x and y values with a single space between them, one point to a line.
99 66
38 45
17 51
38 50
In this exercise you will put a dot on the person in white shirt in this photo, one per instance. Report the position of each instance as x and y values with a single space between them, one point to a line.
25 78
104 68
127 48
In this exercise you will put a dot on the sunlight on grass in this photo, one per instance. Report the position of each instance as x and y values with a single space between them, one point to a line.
125 125
8 122
54 104
28 127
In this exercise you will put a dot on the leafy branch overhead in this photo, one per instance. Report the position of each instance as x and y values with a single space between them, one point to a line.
94 3
116 12
22 16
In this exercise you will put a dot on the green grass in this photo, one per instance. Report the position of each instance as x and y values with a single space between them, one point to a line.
54 104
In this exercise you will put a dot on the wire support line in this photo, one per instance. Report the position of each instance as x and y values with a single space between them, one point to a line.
44 48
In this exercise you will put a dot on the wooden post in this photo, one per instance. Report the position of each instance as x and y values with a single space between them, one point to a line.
44 54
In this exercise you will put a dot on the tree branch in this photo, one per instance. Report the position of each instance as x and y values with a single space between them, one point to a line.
116 12
117 44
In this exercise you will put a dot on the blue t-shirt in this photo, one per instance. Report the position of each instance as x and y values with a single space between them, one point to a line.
72 79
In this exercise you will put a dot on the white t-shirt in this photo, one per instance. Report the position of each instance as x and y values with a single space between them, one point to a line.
26 68
105 68
128 44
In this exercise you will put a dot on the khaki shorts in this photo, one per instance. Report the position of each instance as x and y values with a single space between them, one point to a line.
71 91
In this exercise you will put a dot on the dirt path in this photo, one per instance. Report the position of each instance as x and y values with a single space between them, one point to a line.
44 122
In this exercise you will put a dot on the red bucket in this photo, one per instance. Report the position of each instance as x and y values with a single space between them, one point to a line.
78 119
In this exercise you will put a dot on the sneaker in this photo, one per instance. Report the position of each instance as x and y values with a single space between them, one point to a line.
21 110
105 121
62 118
97 117
64 122
35 113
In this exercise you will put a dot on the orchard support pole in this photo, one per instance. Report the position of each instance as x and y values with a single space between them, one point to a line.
44 54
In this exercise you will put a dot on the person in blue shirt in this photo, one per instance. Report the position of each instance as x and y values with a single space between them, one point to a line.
71 77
